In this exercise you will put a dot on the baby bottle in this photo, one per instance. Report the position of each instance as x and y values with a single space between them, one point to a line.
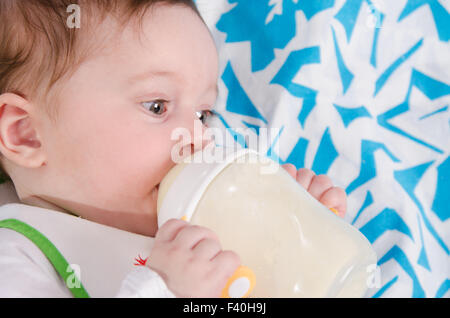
290 245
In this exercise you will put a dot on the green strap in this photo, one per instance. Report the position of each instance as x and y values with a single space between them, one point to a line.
51 252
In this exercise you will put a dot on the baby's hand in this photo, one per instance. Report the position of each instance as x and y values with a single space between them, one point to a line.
190 260
320 187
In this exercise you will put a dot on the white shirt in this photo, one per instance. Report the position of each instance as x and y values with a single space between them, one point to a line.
103 257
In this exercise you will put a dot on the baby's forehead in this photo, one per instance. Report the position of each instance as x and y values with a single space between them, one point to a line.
158 31
160 46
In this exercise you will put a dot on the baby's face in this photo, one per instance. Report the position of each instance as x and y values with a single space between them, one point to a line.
112 144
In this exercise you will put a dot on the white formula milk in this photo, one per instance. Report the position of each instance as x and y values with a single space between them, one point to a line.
295 246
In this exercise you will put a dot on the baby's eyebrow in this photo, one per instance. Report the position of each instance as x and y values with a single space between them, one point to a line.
168 74
152 73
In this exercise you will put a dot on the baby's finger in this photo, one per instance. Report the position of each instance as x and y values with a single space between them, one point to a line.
169 230
228 262
304 177
190 236
207 248
319 185
291 169
335 198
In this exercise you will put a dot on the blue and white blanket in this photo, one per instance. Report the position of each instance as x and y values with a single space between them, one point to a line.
360 91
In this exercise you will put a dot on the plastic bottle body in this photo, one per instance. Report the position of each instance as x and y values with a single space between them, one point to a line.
295 246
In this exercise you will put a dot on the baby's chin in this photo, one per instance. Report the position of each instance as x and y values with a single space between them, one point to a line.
147 222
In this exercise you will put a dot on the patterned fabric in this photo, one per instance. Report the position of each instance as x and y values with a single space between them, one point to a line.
360 91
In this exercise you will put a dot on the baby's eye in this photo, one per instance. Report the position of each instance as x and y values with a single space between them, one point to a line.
204 115
156 106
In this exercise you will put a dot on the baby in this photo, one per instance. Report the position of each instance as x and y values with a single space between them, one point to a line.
86 115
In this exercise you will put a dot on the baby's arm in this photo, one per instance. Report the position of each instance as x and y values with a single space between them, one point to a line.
320 187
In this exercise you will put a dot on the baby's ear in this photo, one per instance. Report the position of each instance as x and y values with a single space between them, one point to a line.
19 141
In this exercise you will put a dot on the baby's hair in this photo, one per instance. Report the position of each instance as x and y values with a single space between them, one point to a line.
39 47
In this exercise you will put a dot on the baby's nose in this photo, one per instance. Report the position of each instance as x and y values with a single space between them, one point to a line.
198 136
197 139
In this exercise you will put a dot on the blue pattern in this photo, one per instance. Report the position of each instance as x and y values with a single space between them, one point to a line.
368 169
385 287
367 201
387 220
391 69
399 256
295 61
346 74
441 201
440 15
443 289
360 90
431 88
443 109
325 155
348 115
238 101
